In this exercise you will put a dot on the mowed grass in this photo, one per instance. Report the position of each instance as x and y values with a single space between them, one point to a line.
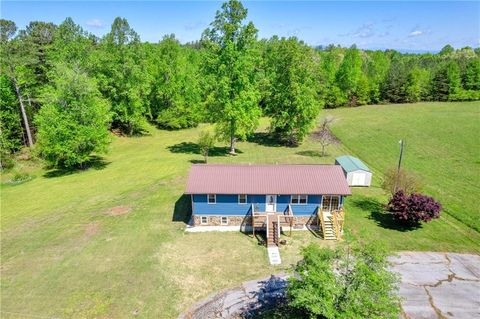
442 148
109 242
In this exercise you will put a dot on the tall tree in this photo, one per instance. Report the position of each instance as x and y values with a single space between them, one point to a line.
16 57
350 77
119 65
230 64
175 95
446 81
73 122
292 102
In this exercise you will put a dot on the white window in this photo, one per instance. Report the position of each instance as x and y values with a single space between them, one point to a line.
224 220
212 198
330 203
204 220
299 199
242 199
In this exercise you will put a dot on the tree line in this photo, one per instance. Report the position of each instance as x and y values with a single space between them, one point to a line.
63 88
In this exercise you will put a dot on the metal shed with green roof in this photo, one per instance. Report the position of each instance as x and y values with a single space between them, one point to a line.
356 172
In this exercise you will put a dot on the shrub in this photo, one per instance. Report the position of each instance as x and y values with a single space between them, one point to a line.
20 177
352 282
405 180
413 208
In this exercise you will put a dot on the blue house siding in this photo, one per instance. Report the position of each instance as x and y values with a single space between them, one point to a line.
227 205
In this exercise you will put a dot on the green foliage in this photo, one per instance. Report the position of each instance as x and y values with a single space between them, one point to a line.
351 282
230 64
122 78
446 81
206 141
351 80
73 122
292 99
175 96
417 85
11 134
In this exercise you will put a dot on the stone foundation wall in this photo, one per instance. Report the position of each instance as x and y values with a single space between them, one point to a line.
217 220
298 221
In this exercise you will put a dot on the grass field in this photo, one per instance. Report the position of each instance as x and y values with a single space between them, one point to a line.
108 242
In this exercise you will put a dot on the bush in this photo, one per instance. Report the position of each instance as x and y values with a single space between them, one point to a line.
404 180
352 282
414 208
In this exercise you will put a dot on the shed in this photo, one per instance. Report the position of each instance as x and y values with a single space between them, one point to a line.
356 172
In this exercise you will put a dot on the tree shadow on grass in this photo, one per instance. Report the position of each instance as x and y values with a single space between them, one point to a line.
310 153
96 163
194 148
380 216
266 139
183 209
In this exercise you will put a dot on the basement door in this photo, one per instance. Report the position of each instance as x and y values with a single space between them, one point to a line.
270 203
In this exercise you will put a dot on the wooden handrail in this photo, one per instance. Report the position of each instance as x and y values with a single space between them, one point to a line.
335 224
253 220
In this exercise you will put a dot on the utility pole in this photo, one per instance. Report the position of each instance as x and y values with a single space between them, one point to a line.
402 143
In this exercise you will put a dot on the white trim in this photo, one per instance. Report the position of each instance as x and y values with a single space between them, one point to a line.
202 222
298 198
214 197
246 199
274 204
221 220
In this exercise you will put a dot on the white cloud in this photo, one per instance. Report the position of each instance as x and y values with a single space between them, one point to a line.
416 33
95 23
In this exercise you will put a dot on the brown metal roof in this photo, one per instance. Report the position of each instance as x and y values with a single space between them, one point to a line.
267 179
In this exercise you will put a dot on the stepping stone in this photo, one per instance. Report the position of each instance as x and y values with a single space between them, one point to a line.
274 256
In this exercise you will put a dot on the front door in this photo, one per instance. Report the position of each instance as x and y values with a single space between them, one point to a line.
270 203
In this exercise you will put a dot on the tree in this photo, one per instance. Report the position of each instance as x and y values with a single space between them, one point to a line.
119 67
324 136
292 99
472 75
350 77
352 282
395 180
446 50
417 85
446 81
414 208
73 122
175 95
206 141
230 63
16 57
329 92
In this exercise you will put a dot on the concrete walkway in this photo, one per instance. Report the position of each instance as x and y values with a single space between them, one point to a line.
433 285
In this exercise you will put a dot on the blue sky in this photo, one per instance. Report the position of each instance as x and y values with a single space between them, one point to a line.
406 25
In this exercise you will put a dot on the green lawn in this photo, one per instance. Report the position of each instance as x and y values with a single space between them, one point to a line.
108 242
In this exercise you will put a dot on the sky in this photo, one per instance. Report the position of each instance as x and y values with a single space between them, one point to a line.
401 25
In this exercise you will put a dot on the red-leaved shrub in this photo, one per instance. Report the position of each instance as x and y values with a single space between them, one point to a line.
414 208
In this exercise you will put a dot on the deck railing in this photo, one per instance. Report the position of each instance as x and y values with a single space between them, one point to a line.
320 219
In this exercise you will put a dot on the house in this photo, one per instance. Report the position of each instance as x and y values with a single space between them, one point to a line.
356 172
266 197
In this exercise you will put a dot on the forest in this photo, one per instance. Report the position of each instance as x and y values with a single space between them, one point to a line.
64 90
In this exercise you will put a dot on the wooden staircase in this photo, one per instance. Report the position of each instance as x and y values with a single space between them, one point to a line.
328 230
331 223
272 231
